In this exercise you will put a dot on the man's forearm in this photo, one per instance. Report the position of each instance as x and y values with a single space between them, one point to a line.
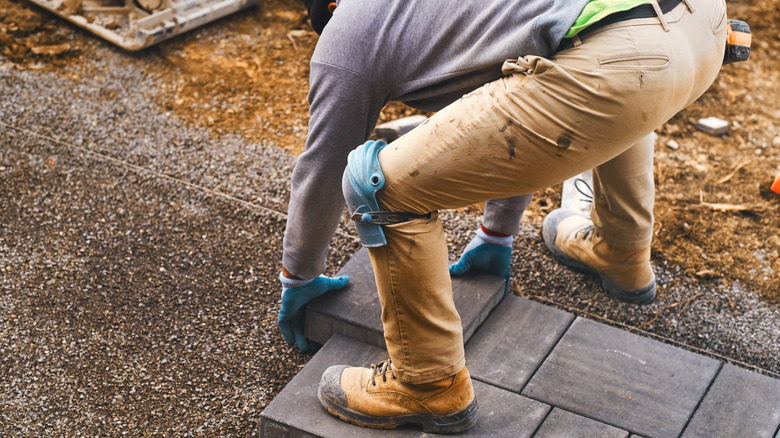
313 216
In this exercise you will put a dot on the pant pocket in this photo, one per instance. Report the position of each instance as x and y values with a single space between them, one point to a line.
644 61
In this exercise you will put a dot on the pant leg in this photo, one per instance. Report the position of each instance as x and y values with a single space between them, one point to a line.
545 122
503 215
624 189
623 197
421 325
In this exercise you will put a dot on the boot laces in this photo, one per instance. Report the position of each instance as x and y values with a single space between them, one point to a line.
585 190
381 369
586 233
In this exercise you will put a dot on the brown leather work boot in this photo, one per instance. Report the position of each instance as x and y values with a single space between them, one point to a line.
374 397
626 275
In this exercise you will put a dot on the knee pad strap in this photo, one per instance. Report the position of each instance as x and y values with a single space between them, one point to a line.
362 179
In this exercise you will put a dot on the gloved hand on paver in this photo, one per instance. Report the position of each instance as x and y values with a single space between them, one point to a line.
295 295
487 252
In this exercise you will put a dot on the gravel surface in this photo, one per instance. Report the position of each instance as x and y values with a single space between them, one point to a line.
139 256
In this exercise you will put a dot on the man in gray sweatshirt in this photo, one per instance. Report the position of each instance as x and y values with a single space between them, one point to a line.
558 88
427 54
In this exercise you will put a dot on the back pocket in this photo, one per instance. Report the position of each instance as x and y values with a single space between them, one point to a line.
635 62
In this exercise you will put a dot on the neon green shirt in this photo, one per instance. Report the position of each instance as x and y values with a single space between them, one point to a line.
595 10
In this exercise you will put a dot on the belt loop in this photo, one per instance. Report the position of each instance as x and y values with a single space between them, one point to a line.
689 5
576 41
660 14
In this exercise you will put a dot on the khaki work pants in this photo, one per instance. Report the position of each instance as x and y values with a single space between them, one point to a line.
594 105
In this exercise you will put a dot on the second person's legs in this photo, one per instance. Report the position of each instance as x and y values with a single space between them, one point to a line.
615 242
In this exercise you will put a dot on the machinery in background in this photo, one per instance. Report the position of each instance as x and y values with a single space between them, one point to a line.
137 24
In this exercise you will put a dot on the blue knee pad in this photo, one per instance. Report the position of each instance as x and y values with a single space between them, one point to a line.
362 179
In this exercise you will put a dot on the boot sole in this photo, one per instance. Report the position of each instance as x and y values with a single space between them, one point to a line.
448 423
645 295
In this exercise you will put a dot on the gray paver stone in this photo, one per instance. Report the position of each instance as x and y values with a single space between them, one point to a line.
564 424
296 411
355 311
511 344
623 379
505 413
739 403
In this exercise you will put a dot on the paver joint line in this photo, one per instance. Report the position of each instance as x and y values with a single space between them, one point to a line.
581 414
703 396
539 365
546 416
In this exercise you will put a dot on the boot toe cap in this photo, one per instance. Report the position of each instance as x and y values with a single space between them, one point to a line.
550 227
330 391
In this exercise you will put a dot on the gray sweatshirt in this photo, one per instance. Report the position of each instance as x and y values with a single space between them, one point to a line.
425 53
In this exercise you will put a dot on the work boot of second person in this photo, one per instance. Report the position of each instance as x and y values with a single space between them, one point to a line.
374 397
626 275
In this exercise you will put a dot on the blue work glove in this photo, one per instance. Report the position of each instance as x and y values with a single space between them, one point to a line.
486 253
294 300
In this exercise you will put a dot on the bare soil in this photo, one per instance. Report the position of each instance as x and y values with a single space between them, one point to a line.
248 74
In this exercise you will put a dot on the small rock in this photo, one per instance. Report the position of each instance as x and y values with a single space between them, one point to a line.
713 126
51 50
776 141
673 145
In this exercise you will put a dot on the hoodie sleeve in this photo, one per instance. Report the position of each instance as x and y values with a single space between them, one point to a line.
344 108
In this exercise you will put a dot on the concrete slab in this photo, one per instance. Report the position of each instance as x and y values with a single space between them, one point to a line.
622 379
739 403
355 311
514 340
296 411
562 423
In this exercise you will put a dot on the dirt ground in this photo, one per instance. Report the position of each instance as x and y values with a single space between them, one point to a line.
715 216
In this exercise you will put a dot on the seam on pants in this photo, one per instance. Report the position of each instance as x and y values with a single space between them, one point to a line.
394 295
